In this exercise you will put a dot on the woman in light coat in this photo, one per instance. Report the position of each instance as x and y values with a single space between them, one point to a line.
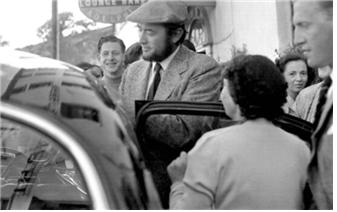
253 165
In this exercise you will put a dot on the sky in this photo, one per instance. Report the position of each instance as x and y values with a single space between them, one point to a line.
20 19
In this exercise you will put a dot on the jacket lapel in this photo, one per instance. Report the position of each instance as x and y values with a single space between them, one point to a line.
323 119
142 78
171 77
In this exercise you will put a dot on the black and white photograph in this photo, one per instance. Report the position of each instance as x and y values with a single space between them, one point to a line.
166 104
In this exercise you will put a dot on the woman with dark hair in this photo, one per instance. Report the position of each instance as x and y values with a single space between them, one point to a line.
297 74
253 165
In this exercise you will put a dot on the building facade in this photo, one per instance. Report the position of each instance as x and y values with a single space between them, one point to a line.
224 28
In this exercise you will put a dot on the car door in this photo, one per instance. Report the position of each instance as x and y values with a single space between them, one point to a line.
145 109
158 154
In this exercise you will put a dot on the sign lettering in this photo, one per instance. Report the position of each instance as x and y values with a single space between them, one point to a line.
108 11
108 3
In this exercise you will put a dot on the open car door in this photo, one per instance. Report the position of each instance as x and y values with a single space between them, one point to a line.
158 154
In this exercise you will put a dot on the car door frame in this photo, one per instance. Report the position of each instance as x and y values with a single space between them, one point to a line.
145 109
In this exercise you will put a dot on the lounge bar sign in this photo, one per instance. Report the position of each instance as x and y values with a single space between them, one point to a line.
108 11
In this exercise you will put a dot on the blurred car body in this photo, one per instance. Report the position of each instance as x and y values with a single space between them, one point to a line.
63 143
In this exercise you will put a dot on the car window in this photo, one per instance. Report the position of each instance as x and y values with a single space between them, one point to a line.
36 173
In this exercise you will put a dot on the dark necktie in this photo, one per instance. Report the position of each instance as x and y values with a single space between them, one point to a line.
155 83
322 99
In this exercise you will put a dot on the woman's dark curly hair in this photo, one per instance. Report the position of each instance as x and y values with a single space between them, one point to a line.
294 55
257 86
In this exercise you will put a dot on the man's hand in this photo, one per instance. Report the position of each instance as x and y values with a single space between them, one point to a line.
177 168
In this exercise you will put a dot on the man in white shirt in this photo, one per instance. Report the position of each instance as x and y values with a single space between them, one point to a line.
111 56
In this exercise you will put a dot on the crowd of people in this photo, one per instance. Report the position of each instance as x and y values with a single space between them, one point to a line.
251 165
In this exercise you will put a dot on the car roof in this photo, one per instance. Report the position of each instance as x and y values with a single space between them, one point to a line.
12 61
27 60
55 87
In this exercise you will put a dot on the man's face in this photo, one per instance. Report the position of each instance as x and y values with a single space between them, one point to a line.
111 59
156 43
313 32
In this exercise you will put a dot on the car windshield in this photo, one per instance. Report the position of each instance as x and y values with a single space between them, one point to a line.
36 173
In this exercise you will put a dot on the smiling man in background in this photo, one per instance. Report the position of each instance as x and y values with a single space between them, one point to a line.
111 58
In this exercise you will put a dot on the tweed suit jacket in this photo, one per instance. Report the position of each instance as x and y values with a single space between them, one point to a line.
321 165
188 77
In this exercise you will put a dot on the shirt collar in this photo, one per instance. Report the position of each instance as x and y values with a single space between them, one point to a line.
165 63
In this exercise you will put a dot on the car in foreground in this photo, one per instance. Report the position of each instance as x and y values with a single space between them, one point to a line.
64 145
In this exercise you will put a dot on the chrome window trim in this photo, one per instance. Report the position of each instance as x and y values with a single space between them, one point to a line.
90 174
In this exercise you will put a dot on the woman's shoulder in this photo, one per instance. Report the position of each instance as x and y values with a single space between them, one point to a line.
222 136
294 143
219 133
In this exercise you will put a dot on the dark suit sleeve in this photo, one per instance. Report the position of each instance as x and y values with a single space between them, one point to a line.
180 132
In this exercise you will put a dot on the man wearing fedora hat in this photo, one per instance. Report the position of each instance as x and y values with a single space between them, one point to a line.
168 71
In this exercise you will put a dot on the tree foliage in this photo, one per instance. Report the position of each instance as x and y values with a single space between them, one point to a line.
67 26
3 42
